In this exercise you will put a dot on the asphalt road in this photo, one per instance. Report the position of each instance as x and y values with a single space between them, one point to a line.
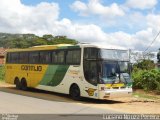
53 105
51 96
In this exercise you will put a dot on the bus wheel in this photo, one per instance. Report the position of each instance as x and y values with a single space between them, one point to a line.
18 84
75 92
23 84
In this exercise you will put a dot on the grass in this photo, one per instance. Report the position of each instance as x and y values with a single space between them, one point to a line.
146 95
2 72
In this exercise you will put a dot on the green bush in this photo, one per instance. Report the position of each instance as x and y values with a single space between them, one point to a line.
144 65
2 72
146 79
137 77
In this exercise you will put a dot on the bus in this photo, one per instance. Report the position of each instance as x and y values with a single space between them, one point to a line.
82 70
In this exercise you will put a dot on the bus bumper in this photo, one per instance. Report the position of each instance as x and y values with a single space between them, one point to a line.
112 93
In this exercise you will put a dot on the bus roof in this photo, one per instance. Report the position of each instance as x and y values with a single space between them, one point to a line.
42 47
61 46
102 47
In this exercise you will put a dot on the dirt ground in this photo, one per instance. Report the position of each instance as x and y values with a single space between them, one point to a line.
137 104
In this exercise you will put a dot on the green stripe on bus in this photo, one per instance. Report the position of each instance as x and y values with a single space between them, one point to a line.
66 47
54 75
59 75
74 46
49 74
129 85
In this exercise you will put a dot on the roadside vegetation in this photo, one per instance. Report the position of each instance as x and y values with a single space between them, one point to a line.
145 76
145 95
2 73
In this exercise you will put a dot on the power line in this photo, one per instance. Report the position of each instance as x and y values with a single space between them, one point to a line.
152 42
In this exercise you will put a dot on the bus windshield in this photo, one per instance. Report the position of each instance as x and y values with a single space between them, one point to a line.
112 65
115 72
110 71
114 54
123 66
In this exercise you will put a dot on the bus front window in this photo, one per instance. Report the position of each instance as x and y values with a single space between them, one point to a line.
110 72
123 66
124 71
115 72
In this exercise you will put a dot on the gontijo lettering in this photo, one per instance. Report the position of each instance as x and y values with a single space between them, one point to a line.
31 68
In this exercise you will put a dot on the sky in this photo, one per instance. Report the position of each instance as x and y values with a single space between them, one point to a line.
130 24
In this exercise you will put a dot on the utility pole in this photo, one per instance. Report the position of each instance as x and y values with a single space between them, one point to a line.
130 65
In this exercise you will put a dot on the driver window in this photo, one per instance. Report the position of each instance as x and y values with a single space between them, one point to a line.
109 70
90 71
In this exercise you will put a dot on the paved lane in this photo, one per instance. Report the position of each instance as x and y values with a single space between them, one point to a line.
13 103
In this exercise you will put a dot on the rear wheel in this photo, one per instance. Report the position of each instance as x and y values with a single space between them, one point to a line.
24 84
18 84
75 92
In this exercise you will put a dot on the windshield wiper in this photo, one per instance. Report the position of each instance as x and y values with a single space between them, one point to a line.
113 82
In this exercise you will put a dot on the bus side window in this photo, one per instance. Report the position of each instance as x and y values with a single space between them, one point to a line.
34 57
90 53
14 57
58 57
73 57
45 57
76 56
8 58
23 57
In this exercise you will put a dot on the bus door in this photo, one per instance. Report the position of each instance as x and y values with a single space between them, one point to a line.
91 78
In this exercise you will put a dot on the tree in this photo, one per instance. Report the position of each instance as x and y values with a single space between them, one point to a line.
38 41
144 65
48 37
28 40
63 40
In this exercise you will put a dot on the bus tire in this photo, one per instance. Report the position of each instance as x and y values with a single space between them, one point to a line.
17 83
75 92
24 84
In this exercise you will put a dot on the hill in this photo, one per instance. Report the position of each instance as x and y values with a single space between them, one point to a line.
8 40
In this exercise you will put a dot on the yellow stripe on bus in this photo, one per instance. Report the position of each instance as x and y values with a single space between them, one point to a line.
115 85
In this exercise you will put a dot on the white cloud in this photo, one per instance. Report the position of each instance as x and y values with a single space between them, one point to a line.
94 7
80 6
144 38
141 4
123 39
16 17
144 34
153 21
43 18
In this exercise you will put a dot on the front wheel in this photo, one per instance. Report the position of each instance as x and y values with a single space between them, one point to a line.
75 92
